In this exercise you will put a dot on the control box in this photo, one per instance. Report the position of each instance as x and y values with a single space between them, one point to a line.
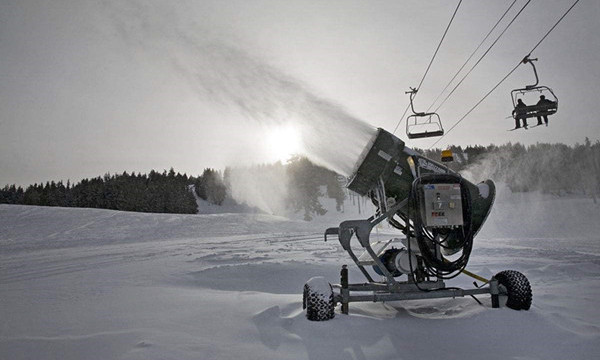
441 205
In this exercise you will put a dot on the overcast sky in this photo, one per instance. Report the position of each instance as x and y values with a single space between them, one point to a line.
90 87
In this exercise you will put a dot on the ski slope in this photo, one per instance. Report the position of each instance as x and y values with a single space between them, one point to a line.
101 284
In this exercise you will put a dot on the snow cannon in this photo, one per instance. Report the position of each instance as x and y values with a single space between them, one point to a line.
438 214
440 199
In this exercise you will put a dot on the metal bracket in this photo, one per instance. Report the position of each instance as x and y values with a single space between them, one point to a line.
362 229
526 60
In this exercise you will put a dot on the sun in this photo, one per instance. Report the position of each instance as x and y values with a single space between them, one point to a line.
282 142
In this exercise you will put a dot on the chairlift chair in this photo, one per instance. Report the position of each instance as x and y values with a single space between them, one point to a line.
420 124
530 95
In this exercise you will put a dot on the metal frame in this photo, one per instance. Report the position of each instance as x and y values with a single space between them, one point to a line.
415 119
531 111
526 60
412 122
390 289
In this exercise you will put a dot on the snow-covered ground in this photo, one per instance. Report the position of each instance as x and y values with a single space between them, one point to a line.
100 284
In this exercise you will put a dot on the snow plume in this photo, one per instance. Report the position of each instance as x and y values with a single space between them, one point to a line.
549 168
264 187
489 167
330 136
222 72
508 165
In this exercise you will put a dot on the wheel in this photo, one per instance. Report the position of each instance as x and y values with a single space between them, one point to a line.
517 287
317 299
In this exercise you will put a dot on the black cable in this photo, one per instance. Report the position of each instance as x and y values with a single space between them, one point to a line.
555 25
439 45
482 56
401 118
504 78
398 225
472 54
440 268
430 63
408 237
479 102
443 268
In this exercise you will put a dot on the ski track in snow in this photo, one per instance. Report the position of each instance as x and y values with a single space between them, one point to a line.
100 284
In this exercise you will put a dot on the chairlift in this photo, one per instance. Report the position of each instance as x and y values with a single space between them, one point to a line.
422 125
531 96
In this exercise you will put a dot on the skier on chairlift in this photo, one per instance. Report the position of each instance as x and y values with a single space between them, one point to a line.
520 112
543 104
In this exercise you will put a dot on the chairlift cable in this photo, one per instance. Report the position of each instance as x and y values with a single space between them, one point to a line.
472 54
482 56
401 118
549 31
431 62
479 102
505 77
439 45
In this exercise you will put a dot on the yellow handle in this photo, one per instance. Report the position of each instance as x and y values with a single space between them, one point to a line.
475 276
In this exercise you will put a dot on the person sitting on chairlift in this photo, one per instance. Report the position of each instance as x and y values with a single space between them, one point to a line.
520 112
543 104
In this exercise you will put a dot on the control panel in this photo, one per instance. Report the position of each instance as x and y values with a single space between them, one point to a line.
442 205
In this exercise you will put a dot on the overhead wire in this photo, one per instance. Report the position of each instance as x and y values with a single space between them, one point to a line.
439 45
430 62
479 102
507 75
555 25
401 118
482 56
472 54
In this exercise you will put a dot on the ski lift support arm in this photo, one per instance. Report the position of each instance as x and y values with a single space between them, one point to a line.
413 92
526 60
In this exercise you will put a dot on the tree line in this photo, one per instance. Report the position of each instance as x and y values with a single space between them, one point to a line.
550 168
309 183
155 192
170 192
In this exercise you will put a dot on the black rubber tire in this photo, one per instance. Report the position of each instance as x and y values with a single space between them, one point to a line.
319 306
518 289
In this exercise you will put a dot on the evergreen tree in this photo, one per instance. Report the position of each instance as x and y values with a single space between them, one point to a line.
210 187
304 187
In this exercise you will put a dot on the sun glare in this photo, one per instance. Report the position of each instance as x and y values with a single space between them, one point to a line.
282 142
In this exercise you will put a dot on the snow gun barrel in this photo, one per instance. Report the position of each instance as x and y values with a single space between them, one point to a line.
387 170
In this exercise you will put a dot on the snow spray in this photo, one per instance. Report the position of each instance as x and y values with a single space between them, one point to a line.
330 136
264 187
224 73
